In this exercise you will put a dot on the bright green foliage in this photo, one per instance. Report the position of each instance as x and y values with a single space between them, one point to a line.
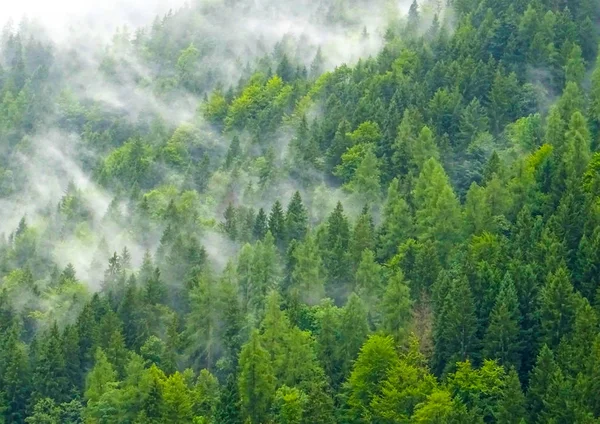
290 404
438 214
177 400
396 307
377 358
365 182
478 213
353 331
437 409
368 283
481 390
308 275
397 222
256 380
577 154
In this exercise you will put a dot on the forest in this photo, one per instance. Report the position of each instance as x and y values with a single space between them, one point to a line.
310 212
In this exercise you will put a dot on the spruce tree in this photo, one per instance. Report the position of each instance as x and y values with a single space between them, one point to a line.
502 339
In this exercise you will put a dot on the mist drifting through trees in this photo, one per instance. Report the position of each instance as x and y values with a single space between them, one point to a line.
331 211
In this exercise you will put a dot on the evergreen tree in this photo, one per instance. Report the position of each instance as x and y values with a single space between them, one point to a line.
277 224
539 382
336 257
230 225
363 235
260 225
233 153
308 274
397 223
455 330
50 369
438 215
557 307
377 358
502 340
256 381
396 306
296 219
511 408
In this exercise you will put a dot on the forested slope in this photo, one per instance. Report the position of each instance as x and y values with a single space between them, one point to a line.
211 224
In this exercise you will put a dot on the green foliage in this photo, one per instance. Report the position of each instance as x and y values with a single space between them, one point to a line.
480 118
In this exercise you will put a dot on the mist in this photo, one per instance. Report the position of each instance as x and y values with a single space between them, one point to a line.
67 18
100 57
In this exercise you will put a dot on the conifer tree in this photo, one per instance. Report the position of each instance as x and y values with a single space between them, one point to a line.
438 214
503 336
396 308
296 219
397 223
256 381
455 327
511 408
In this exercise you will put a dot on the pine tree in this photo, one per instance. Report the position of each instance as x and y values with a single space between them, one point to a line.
155 290
336 257
575 66
438 214
353 331
455 327
289 405
206 395
231 314
229 404
230 226
15 377
296 219
202 325
539 382
233 153
557 305
577 154
260 225
256 381
70 341
308 275
511 408
177 400
363 235
397 223
50 370
413 18
478 213
265 273
277 224
396 308
101 379
502 339
369 283
366 181
377 358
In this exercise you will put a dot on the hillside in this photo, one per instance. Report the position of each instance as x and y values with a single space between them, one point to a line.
332 211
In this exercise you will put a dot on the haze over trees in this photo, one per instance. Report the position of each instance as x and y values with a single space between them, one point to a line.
391 216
